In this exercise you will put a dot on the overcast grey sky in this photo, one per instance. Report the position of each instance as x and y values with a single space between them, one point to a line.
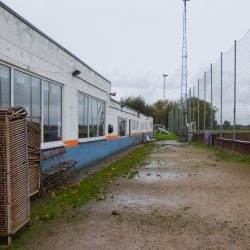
133 42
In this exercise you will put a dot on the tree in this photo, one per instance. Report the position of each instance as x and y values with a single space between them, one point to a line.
138 103
155 110
208 116
158 105
226 125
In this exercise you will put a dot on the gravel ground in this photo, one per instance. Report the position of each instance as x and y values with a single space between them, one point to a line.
184 198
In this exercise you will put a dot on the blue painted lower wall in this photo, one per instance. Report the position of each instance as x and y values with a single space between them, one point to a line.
89 152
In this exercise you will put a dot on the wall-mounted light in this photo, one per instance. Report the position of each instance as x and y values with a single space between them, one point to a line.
76 73
113 94
122 105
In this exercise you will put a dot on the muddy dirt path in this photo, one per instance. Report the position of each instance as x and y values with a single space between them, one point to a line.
184 198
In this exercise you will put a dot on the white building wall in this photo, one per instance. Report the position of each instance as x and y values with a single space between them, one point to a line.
116 110
27 50
24 48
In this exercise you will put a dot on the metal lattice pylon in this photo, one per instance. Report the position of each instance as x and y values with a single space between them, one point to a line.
184 69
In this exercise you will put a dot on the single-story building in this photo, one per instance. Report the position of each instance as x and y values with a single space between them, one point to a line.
69 100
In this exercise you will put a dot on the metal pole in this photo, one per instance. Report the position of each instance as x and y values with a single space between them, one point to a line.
163 114
212 99
205 74
186 54
198 110
234 94
221 101
190 119
194 106
184 69
164 92
163 100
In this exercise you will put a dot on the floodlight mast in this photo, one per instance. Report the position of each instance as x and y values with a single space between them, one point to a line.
164 91
163 111
184 69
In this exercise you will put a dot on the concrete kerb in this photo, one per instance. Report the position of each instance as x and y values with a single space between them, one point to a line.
87 170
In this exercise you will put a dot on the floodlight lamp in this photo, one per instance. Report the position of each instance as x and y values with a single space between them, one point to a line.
165 75
76 73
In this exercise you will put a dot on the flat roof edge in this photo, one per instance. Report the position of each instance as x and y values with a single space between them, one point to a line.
47 37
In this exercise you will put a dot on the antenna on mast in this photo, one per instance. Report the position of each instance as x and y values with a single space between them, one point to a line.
184 69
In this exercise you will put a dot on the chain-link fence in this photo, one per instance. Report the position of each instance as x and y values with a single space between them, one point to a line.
220 101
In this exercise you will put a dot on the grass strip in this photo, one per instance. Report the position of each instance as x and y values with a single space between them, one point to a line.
225 154
166 137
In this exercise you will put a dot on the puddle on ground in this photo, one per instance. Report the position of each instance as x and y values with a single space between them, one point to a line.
149 176
169 142
132 200
135 201
153 164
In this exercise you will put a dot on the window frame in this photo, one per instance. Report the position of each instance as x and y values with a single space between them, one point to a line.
44 145
52 142
86 139
125 134
8 66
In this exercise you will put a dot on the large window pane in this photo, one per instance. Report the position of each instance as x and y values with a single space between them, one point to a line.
82 116
4 86
52 112
27 93
101 119
122 127
92 117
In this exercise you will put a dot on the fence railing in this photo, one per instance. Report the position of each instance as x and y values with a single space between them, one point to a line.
220 101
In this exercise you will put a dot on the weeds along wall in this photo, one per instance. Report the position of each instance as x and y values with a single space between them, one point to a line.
219 101
76 110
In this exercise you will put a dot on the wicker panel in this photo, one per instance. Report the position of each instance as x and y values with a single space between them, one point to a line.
18 172
3 184
13 150
34 156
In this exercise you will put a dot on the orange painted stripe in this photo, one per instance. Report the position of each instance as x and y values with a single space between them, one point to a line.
150 132
112 137
132 134
71 143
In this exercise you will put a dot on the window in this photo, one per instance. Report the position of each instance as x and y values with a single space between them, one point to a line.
4 86
52 112
91 117
101 118
122 127
82 116
27 93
